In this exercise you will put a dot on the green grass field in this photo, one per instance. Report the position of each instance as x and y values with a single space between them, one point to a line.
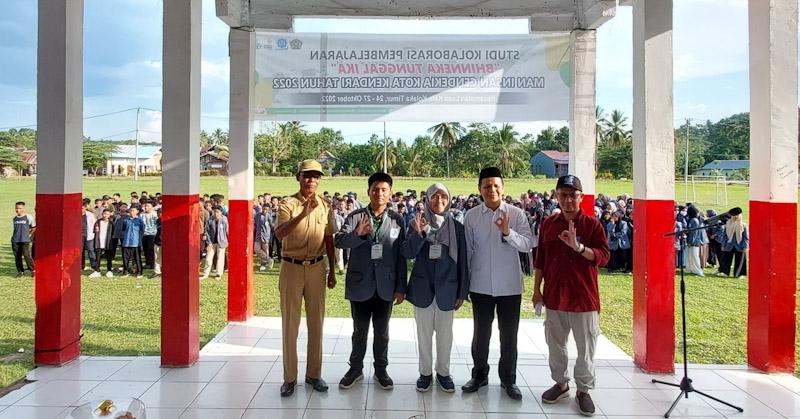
122 317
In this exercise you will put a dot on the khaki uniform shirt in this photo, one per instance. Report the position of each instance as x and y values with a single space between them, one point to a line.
307 241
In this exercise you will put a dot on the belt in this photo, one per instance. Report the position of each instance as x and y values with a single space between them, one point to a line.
303 262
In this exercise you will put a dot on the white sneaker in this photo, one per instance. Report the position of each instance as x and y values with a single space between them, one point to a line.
219 276
109 274
204 277
95 274
139 277
262 268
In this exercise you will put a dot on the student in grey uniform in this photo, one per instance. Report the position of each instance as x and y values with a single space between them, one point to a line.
22 238
439 282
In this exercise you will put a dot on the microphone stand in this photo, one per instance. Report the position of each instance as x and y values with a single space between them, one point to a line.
686 386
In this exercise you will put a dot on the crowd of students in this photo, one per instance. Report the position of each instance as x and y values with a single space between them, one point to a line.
112 228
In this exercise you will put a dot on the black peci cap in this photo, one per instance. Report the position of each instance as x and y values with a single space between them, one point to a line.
379 177
489 172
569 181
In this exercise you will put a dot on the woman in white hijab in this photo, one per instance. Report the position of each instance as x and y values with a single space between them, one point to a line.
735 242
439 283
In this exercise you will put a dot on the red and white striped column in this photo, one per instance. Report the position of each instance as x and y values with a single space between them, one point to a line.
58 182
180 290
773 185
241 292
653 187
583 48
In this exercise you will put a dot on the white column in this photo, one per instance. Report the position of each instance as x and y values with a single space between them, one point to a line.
773 185
242 101
241 304
180 291
583 47
653 187
653 131
58 182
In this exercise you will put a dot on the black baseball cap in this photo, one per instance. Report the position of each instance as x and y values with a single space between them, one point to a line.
569 181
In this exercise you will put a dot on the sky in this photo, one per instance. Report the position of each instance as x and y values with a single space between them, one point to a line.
122 64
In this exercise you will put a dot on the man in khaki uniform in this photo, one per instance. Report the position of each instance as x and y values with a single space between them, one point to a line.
305 228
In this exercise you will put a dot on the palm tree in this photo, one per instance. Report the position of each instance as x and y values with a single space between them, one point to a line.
391 156
616 128
447 134
511 149
219 137
599 124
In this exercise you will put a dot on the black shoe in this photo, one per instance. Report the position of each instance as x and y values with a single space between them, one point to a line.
424 383
318 384
512 390
446 383
287 389
554 394
349 379
383 379
474 385
585 403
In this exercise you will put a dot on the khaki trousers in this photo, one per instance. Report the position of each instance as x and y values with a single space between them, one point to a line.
429 320
211 250
298 283
585 330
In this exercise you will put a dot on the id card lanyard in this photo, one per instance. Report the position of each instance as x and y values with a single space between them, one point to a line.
377 225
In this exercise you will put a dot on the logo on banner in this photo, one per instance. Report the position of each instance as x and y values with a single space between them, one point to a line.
296 43
282 43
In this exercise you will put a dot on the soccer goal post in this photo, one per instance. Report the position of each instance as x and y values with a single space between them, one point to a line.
708 190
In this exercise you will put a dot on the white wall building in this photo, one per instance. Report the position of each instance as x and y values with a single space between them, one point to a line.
122 162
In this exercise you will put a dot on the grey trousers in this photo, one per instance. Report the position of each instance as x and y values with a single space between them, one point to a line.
585 329
429 320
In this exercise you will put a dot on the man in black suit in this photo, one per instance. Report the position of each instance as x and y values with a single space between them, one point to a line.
376 275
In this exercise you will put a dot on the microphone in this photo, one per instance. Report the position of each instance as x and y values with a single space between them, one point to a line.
724 217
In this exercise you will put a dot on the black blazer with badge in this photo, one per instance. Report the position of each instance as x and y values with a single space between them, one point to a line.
365 276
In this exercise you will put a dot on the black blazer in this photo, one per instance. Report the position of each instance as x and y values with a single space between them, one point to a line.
365 277
109 234
443 278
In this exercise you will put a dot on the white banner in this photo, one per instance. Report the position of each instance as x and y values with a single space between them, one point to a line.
425 78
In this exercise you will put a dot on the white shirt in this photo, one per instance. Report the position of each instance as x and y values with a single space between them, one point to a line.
103 232
89 225
493 260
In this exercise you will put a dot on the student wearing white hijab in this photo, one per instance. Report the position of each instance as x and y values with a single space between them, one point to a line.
439 283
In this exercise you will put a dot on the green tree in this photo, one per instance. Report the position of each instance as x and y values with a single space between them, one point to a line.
729 139
599 124
96 153
219 137
24 138
616 160
355 160
11 157
447 135
616 128
391 156
512 156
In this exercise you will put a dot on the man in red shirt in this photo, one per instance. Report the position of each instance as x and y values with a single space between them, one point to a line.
572 246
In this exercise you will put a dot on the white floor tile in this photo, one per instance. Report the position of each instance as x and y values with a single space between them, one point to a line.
752 407
516 416
31 412
14 396
226 396
58 393
495 400
171 395
148 370
439 401
338 414
93 370
399 398
194 413
163 413
243 372
383 414
694 406
611 402
273 413
200 372
116 390
354 398
269 397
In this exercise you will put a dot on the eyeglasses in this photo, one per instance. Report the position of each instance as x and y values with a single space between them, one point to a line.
573 195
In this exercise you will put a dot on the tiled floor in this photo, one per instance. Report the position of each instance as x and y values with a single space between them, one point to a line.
240 372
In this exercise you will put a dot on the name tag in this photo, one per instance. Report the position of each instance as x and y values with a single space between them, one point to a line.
377 251
435 252
394 233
